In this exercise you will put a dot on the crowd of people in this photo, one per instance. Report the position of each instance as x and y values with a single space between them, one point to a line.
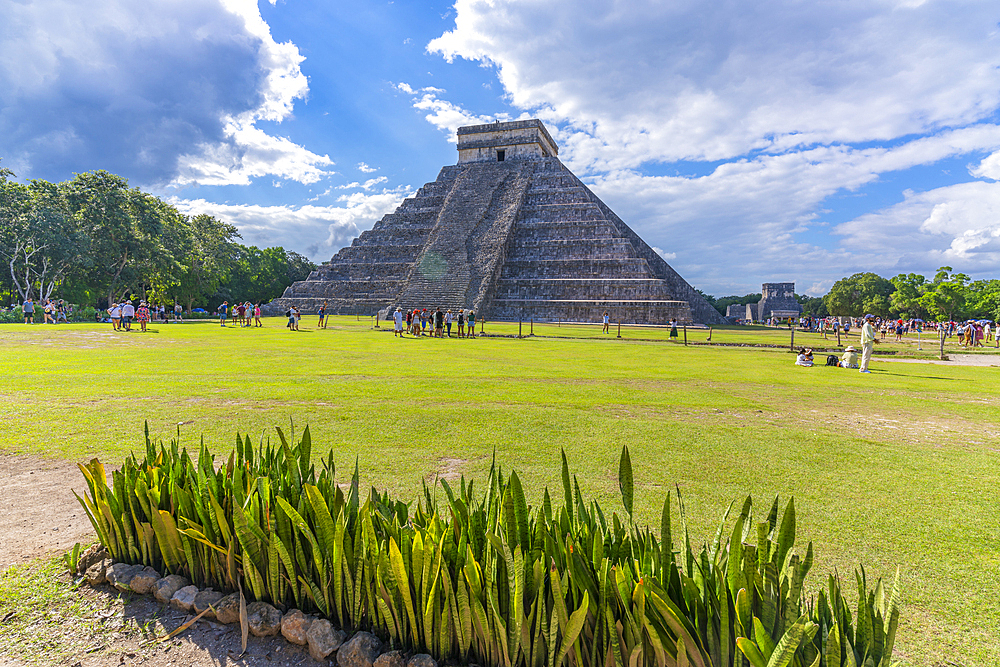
438 323
244 314
53 311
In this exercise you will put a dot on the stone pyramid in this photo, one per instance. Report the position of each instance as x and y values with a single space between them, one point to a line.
510 233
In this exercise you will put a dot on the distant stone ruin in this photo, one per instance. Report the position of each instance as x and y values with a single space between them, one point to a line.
778 300
510 233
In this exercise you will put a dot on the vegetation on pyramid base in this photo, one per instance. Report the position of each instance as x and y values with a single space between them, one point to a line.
482 576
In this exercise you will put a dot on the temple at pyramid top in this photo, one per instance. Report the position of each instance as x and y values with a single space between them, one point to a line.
497 142
509 233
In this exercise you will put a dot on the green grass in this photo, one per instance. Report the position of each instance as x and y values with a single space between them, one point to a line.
899 467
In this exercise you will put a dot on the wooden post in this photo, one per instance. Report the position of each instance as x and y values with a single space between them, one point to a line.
791 346
532 332
838 336
710 334
619 327
685 334
519 327
941 353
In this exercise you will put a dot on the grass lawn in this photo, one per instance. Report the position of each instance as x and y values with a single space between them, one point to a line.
900 467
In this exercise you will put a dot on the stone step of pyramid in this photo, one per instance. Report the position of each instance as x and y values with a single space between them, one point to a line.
582 268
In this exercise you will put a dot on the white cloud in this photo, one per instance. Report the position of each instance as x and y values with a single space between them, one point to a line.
710 81
957 225
249 152
796 102
159 91
315 231
364 168
446 116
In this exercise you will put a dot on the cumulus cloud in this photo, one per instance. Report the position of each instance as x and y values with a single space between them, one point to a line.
767 110
314 231
445 115
711 81
157 91
957 225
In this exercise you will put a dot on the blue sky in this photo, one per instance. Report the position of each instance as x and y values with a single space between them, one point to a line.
757 142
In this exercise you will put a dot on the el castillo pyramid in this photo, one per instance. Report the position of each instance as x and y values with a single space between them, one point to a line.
510 233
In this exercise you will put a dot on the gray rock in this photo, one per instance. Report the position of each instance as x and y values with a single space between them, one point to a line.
164 589
390 659
294 626
205 598
143 582
323 639
421 660
228 609
90 556
263 619
360 651
97 572
120 574
184 598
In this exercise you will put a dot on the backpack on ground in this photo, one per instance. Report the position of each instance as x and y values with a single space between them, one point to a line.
832 360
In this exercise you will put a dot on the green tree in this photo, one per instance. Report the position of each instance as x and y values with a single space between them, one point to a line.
946 294
860 294
210 249
910 287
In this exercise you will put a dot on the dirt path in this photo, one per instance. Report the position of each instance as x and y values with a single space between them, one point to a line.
39 514
953 360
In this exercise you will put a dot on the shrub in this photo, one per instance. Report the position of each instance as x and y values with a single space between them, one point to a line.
487 578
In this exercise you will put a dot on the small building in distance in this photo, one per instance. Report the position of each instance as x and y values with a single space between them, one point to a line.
778 301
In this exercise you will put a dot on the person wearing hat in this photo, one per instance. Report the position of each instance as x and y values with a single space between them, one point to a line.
804 358
867 343
397 319
850 358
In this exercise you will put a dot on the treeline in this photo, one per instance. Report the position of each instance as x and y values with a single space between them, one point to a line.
93 239
946 296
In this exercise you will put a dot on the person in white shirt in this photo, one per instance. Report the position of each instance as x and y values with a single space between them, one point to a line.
128 312
397 319
115 311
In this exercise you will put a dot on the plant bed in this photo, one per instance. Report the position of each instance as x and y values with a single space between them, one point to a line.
487 578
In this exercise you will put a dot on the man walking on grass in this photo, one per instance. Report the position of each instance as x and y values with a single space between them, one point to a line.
867 343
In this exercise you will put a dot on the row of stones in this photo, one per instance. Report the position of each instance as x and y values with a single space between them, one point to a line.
324 641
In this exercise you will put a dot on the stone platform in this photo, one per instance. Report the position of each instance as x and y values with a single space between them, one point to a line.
510 233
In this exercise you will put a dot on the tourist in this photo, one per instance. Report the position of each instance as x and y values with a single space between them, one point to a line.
322 315
607 323
472 325
673 329
142 316
424 315
115 313
290 314
867 343
298 316
804 358
447 322
461 322
439 323
223 311
850 358
178 313
28 309
256 315
128 312
240 314
418 325
47 313
397 319
61 312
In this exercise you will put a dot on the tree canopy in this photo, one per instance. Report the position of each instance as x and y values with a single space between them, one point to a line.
93 239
